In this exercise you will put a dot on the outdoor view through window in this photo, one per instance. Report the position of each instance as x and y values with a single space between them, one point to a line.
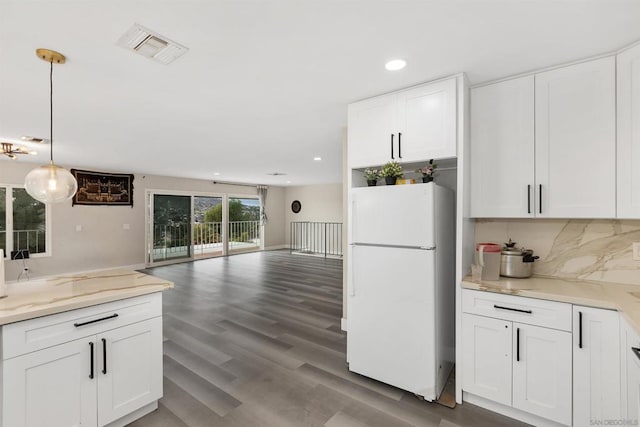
28 218
179 233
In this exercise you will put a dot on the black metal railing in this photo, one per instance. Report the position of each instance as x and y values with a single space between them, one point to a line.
317 238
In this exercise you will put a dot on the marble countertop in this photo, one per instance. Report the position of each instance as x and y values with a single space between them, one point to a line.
614 296
35 298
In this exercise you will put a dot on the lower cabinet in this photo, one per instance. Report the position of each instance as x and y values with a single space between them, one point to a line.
631 372
519 365
542 372
130 370
558 361
596 366
51 387
90 381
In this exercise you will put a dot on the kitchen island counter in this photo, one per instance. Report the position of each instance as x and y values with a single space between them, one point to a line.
36 298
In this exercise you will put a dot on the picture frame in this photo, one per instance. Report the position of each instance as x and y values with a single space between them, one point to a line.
102 188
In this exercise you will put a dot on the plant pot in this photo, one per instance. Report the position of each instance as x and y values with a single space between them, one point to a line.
427 178
390 180
372 182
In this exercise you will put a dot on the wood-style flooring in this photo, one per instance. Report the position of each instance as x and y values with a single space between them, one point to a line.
255 340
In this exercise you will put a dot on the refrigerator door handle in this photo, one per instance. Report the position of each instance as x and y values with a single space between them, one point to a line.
378 245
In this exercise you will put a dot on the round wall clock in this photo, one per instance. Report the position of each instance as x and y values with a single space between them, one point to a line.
296 206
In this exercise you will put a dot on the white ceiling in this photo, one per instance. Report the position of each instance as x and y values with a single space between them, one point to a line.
265 84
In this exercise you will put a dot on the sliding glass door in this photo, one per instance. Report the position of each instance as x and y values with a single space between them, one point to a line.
171 227
208 236
188 226
244 224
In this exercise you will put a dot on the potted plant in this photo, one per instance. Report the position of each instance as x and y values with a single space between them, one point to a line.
391 171
428 171
372 176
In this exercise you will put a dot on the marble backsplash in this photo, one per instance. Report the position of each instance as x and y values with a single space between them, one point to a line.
577 249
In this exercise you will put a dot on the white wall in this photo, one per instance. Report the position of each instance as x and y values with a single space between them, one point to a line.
321 203
103 243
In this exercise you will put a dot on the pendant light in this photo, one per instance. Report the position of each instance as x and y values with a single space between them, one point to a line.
50 183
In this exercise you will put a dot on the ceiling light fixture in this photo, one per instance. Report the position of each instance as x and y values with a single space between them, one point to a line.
216 174
395 64
10 150
50 183
317 159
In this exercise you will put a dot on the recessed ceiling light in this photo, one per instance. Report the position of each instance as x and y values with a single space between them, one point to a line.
317 158
288 182
395 64
216 174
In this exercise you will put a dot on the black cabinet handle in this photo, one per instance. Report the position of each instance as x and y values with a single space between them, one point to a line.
392 158
499 307
579 329
636 351
529 198
517 344
400 144
91 360
540 194
77 325
104 356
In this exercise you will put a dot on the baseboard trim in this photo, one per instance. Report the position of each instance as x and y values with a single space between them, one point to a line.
343 324
135 415
276 247
508 411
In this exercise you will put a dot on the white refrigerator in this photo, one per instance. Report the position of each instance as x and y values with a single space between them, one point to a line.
401 286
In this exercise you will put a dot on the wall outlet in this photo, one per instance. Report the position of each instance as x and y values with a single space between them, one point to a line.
78 228
126 227
636 251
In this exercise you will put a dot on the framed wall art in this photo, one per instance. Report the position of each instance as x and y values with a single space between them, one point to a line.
101 188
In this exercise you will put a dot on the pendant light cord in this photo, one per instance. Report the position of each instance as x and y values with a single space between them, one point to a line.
51 112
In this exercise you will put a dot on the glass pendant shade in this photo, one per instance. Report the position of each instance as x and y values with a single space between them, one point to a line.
50 184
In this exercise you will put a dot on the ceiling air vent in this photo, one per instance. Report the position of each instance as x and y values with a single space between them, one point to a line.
151 44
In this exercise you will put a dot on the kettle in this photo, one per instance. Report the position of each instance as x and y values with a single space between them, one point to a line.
516 262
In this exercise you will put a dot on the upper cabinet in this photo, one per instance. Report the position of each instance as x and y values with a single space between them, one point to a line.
502 149
412 125
545 145
629 133
575 124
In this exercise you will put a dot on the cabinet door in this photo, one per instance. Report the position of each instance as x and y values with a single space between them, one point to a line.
372 131
542 372
502 149
631 370
629 133
596 365
129 369
486 357
51 387
427 122
576 141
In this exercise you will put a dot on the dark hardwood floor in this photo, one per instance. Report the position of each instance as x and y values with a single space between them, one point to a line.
255 340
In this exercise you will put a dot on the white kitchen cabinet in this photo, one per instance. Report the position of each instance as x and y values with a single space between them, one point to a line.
596 365
545 145
129 369
517 352
630 371
86 367
628 85
541 372
487 366
51 387
372 131
411 125
427 122
502 149
575 141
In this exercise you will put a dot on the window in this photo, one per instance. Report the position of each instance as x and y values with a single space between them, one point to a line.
24 222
